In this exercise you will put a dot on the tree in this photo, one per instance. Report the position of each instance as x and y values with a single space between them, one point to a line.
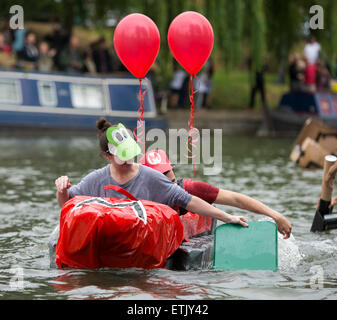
259 26
284 21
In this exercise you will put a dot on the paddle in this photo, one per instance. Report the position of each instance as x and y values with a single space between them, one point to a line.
242 248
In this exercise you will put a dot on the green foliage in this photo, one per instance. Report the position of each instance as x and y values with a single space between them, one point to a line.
257 32
259 26
284 20
232 91
329 38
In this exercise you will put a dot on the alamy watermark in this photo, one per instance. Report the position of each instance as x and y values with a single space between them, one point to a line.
206 146
16 20
317 20
17 280
316 280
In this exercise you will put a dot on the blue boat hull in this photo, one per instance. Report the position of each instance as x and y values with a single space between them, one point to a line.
73 102
296 107
12 119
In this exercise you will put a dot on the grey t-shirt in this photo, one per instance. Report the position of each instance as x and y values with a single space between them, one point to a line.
147 184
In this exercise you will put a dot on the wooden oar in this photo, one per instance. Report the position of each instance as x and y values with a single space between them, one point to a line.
241 248
324 219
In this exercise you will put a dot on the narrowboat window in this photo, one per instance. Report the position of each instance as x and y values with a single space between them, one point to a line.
10 91
87 96
47 93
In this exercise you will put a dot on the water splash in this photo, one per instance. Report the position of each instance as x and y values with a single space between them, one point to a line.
289 255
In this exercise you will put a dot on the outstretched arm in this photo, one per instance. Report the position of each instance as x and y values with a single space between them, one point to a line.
201 207
244 202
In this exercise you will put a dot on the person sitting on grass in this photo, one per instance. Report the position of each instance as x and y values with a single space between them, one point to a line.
158 160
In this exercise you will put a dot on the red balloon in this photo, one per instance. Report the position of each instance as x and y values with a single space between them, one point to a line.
190 37
137 41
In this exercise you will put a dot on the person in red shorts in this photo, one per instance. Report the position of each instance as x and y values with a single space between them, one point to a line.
310 76
158 160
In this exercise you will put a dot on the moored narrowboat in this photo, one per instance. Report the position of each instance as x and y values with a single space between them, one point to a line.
296 107
73 102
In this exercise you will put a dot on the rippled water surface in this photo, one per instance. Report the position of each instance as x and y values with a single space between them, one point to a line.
258 167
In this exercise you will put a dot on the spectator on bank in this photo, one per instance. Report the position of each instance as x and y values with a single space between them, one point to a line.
312 50
18 40
45 62
296 72
5 48
29 54
176 85
310 76
323 77
258 86
117 65
8 33
205 85
101 57
71 59
7 58
88 62
153 74
58 40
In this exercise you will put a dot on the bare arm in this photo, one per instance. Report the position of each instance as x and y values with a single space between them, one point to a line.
201 207
244 202
62 194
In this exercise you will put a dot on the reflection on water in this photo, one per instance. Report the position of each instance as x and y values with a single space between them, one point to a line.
258 167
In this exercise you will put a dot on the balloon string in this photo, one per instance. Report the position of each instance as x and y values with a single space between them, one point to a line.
138 132
193 135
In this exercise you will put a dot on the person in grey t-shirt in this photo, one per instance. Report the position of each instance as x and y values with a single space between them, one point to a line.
147 184
144 183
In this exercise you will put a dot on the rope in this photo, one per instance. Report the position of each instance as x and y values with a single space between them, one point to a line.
139 132
193 134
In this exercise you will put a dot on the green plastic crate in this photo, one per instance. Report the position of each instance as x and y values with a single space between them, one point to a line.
242 248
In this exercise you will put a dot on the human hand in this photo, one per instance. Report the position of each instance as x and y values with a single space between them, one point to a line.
333 202
284 226
62 184
238 220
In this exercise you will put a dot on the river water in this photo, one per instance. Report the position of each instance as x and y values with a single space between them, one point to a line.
258 167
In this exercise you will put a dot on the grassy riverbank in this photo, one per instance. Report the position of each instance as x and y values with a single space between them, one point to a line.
231 90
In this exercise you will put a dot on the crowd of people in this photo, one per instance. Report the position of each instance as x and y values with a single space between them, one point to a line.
59 51
56 51
309 72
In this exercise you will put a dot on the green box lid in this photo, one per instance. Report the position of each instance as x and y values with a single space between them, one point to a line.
242 248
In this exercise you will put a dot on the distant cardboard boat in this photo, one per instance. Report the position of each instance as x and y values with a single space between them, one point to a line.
314 142
73 102
296 107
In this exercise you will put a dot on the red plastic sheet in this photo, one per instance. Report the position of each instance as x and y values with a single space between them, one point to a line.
121 233
195 224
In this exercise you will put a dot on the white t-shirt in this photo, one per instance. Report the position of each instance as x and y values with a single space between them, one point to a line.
311 51
178 79
203 84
